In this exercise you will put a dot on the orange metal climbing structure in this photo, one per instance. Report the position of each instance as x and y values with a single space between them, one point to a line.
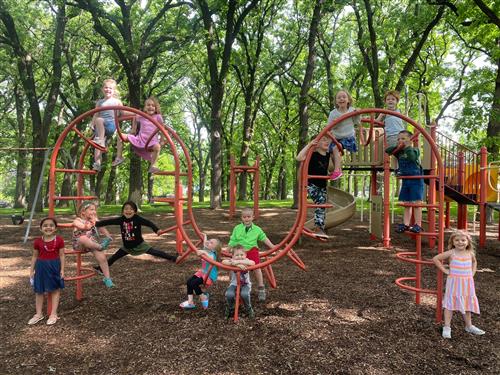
188 235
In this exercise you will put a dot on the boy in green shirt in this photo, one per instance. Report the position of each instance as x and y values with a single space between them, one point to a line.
247 234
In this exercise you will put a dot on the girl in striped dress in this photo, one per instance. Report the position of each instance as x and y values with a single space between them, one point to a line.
460 294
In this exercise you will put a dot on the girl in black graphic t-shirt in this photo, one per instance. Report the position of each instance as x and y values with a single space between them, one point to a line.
316 187
131 230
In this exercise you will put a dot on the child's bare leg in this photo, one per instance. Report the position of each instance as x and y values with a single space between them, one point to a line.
337 159
258 276
191 299
103 263
87 243
407 216
119 150
39 304
55 296
447 317
417 211
100 137
155 152
468 319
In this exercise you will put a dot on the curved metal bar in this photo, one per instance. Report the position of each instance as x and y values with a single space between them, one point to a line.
285 245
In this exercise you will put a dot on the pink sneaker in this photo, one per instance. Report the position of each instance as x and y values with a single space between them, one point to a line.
336 175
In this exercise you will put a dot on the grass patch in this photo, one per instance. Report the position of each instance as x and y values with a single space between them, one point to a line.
163 208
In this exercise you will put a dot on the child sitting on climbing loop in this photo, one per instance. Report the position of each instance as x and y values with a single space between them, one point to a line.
203 276
412 190
316 187
131 231
103 122
240 260
86 237
460 293
393 125
248 235
139 138
344 131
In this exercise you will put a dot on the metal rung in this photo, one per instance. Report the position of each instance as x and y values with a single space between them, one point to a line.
419 177
167 200
243 168
173 227
321 177
81 171
75 198
170 173
326 205
65 225
418 205
424 234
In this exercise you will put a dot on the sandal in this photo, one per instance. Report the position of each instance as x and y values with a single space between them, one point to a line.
52 320
117 162
35 319
187 306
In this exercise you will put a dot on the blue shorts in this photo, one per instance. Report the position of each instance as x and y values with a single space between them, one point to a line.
109 128
412 190
348 144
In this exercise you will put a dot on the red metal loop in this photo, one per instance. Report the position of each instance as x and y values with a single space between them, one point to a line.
405 257
399 282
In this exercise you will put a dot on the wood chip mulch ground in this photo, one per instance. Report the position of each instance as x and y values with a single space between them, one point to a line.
344 315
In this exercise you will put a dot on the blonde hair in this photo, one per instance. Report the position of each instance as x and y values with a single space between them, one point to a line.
84 206
394 93
111 81
247 210
459 233
349 97
237 248
218 247
156 104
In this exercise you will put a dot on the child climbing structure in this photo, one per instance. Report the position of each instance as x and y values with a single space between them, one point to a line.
189 236
474 187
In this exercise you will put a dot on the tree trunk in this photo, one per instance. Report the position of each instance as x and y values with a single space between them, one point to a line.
136 183
306 85
245 142
234 19
493 129
216 147
109 197
151 181
41 126
22 162
282 188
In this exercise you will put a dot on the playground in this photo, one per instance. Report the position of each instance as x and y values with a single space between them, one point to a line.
343 315
366 303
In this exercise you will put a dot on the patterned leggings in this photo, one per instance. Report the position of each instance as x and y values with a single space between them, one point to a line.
318 195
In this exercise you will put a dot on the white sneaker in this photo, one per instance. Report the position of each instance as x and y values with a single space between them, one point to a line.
447 332
474 330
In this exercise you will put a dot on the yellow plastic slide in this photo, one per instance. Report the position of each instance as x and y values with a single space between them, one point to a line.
344 207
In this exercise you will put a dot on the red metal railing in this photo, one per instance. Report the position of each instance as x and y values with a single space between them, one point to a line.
461 165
